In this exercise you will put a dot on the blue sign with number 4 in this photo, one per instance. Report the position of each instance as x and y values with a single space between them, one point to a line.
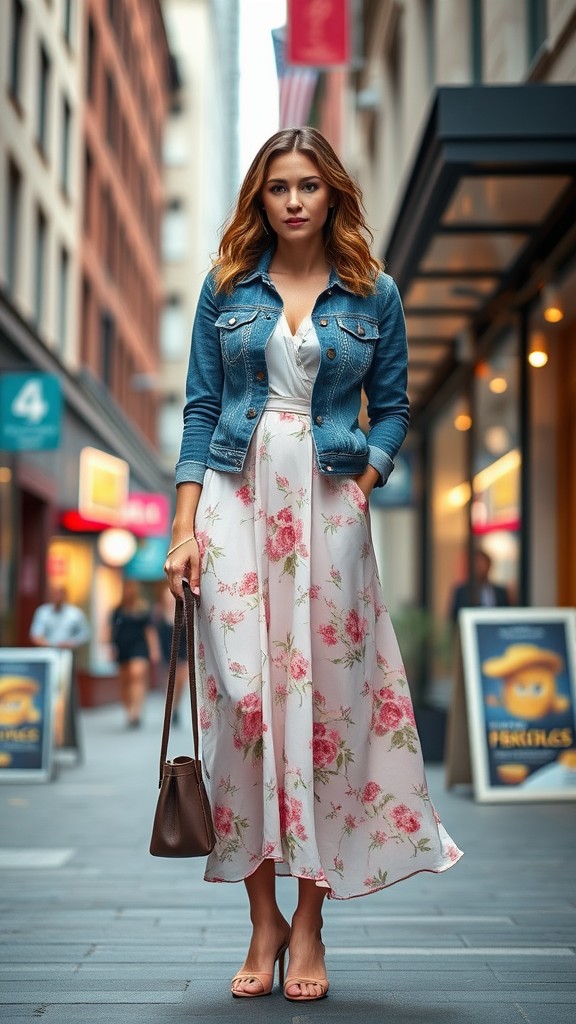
30 411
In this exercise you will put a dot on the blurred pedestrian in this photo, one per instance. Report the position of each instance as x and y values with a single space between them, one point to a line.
136 645
479 592
163 619
309 742
59 623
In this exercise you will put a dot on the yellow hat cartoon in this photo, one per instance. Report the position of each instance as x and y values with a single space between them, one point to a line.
17 700
529 676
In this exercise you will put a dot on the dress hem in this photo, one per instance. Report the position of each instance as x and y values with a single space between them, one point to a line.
330 894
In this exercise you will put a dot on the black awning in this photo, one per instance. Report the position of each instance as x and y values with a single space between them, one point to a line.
489 208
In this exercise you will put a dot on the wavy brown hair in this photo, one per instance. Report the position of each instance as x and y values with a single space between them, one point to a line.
247 235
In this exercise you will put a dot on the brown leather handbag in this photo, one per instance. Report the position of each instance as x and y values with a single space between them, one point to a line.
183 820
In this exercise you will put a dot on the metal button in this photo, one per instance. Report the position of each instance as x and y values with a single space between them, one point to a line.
268 316
331 353
329 469
319 420
329 291
251 413
323 323
232 321
361 330
260 375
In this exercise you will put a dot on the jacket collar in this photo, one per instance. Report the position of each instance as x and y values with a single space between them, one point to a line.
261 270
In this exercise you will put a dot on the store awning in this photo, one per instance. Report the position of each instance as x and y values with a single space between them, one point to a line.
488 215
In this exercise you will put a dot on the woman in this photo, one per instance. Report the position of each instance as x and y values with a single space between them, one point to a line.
136 644
311 754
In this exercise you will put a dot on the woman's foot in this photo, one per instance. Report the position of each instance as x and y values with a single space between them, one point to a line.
307 971
268 944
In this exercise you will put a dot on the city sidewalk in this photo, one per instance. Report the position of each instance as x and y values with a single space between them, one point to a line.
96 930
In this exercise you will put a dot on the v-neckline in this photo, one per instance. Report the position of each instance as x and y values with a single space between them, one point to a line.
300 325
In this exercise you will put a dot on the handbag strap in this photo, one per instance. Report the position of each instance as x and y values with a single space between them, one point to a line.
183 616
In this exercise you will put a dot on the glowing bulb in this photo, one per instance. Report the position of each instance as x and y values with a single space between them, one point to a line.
498 385
463 421
538 350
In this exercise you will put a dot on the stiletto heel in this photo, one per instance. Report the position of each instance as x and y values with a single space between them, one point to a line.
264 978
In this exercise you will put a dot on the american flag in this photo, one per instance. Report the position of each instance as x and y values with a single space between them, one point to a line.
296 85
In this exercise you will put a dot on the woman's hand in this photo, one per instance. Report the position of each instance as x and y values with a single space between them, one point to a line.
184 562
367 480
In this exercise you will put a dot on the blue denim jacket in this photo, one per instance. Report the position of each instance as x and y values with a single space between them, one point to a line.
362 342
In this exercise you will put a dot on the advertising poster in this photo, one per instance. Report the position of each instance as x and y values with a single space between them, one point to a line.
28 682
519 675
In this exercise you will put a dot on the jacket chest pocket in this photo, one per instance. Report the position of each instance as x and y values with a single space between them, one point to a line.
359 337
234 328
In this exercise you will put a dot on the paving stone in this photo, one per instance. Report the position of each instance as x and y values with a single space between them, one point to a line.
99 938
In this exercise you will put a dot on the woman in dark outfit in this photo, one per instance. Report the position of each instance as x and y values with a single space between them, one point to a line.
136 642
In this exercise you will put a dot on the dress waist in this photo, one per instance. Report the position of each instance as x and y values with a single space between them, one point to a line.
281 403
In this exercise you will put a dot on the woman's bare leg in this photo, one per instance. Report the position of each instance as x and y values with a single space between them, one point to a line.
306 948
137 687
270 929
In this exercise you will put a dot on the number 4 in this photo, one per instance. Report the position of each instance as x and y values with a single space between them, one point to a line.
29 403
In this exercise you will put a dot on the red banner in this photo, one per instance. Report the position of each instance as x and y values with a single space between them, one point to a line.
318 33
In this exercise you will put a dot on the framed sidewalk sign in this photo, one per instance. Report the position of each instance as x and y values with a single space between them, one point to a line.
520 687
28 682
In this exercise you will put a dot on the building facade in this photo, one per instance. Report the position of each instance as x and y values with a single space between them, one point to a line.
200 156
459 126
85 87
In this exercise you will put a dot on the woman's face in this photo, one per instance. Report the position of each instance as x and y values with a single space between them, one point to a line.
296 199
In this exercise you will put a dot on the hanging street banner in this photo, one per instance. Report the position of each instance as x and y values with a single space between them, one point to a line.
318 33
30 411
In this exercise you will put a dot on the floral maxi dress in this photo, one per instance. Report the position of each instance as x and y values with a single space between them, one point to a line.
310 749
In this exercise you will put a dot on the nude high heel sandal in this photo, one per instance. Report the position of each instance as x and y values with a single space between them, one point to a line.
264 978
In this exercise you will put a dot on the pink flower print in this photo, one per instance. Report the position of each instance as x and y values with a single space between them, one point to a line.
282 482
453 853
290 811
387 693
390 715
287 417
249 714
405 820
324 745
355 626
202 540
237 669
350 822
211 689
379 837
284 536
298 665
371 792
314 591
328 634
244 493
319 698
335 576
223 820
231 618
201 652
406 704
248 585
205 720
355 493
269 848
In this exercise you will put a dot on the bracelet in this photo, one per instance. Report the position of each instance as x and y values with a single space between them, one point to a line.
182 542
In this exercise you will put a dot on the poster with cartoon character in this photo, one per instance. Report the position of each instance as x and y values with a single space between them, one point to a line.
520 683
28 684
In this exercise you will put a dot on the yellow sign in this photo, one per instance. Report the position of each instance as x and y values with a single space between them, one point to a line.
103 489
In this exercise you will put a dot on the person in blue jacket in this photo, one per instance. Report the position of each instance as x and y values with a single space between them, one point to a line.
312 760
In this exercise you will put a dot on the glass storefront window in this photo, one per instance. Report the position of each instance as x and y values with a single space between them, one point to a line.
497 461
450 497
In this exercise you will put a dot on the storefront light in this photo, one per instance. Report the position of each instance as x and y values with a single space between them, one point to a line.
538 350
553 309
498 385
5 475
116 546
463 421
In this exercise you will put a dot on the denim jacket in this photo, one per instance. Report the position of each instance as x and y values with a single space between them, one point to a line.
362 344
